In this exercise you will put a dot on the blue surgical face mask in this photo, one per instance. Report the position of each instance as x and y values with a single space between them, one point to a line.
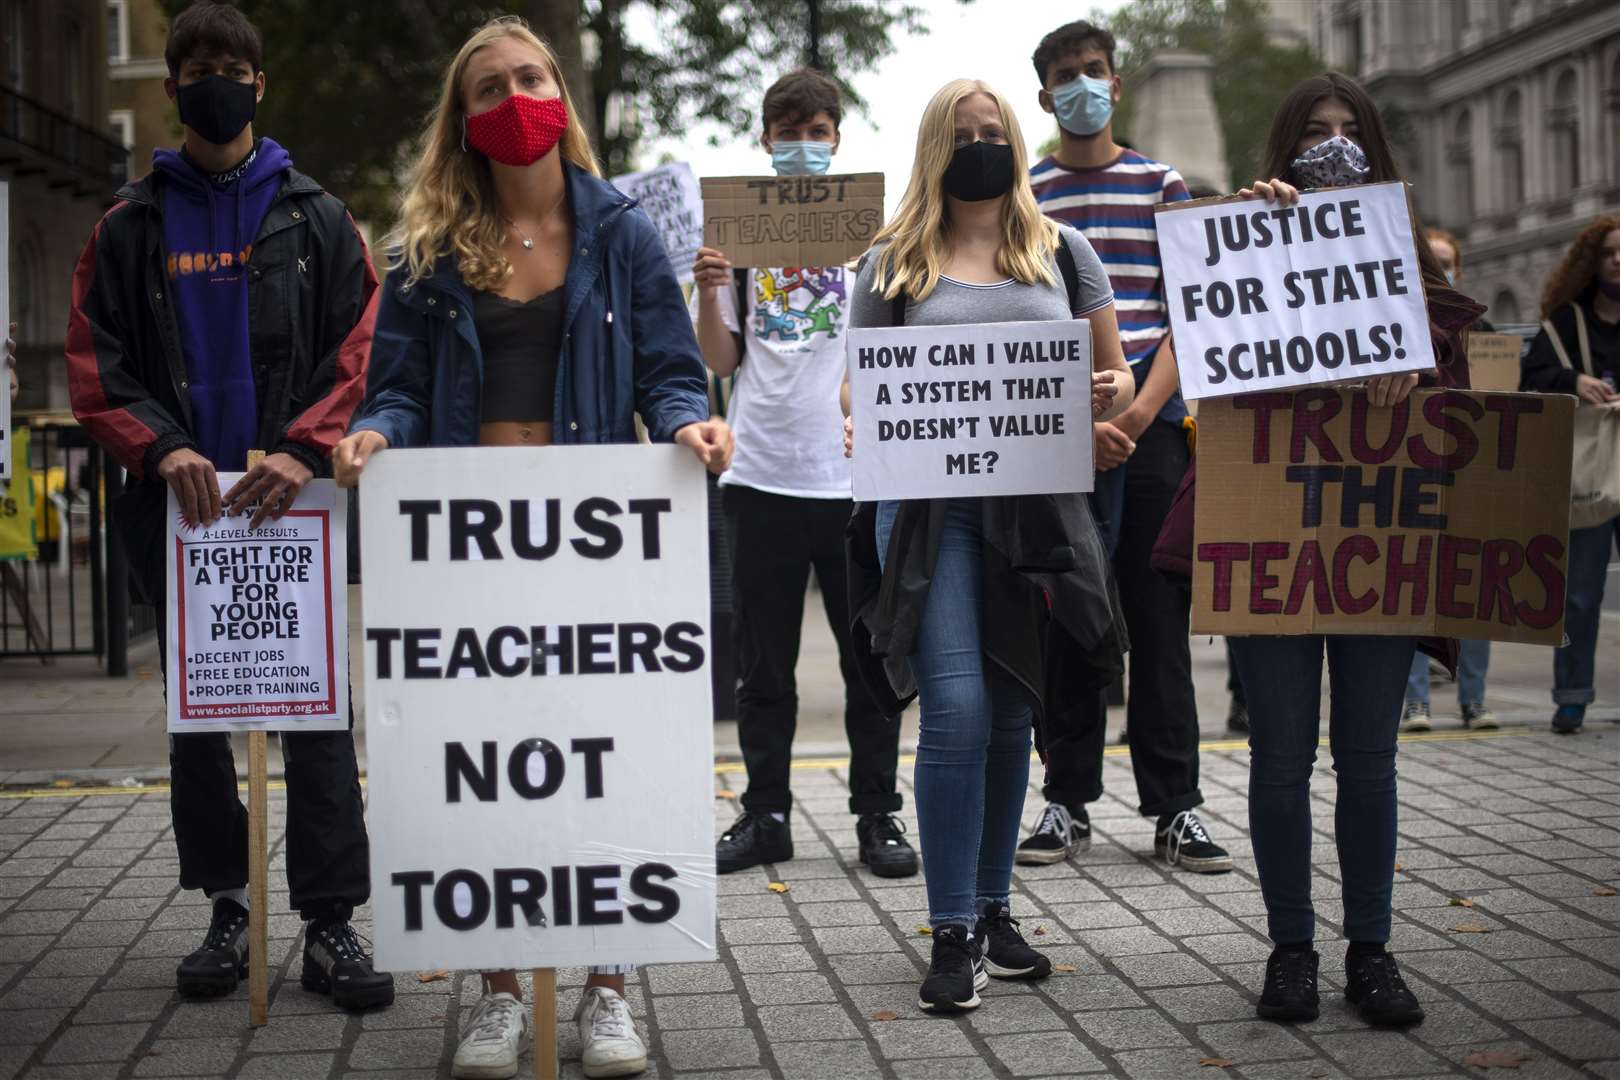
801 158
1085 105
1451 279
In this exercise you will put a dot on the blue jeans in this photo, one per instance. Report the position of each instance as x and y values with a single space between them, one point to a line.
1573 664
1282 677
1472 662
973 747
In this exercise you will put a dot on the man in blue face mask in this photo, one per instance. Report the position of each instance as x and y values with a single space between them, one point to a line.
1108 192
787 499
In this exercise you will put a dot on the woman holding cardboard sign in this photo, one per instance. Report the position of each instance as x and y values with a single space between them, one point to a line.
1327 133
981 606
529 303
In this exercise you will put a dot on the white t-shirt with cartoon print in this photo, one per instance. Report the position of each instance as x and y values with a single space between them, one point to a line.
784 410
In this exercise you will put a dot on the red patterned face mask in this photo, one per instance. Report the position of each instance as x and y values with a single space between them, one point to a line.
520 130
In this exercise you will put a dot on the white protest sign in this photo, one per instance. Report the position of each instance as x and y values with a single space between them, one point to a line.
258 618
539 720
1264 296
670 195
5 322
983 409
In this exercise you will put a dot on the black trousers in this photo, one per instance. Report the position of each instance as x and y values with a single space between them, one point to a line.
1161 712
776 540
328 853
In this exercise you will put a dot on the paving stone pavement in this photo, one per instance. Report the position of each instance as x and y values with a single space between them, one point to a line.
1522 825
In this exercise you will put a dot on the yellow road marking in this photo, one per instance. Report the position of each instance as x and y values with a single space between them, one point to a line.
734 768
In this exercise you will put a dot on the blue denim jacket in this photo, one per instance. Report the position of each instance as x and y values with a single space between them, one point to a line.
628 345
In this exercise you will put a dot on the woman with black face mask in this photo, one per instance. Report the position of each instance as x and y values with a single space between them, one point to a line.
979 605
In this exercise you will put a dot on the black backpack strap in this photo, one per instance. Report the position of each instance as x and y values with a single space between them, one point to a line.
1070 272
739 276
897 310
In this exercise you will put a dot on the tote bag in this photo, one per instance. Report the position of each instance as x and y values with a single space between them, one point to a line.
1594 485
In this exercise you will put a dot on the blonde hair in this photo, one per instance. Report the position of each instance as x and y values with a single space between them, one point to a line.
449 203
915 253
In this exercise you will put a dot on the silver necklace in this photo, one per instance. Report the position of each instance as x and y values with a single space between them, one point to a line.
527 240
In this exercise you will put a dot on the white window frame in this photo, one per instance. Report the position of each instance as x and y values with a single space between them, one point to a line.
118 51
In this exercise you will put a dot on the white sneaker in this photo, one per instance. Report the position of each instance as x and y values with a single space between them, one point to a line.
496 1035
611 1044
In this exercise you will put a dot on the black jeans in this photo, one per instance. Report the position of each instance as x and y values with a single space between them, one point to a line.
776 540
328 852
1161 712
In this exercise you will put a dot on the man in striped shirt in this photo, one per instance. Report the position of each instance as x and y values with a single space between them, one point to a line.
1108 192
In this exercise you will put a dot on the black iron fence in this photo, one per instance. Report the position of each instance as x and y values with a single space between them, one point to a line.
59 137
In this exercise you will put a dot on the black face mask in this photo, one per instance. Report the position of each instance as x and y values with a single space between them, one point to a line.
217 108
980 171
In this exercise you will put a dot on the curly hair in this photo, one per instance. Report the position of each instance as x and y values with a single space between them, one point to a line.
1579 267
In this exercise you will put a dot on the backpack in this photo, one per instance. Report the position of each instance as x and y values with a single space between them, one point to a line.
1066 266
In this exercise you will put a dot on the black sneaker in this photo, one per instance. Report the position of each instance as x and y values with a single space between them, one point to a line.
1374 985
753 840
1006 954
213 970
335 962
883 845
1290 991
1181 840
1057 836
955 973
1237 718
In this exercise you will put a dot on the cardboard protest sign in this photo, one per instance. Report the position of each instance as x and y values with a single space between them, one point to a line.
539 720
792 220
1446 515
1493 361
1264 297
258 618
17 522
669 195
982 409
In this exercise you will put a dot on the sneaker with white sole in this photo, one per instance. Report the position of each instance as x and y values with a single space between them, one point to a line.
1181 840
496 1036
611 1045
1058 835
1415 717
1476 717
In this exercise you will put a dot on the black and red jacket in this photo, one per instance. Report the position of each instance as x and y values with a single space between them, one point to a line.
312 303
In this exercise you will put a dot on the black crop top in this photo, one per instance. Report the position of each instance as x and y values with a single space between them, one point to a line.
521 344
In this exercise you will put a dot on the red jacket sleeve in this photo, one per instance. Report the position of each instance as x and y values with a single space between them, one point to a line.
104 380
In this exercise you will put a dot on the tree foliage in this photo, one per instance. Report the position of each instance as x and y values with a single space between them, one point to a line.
351 83
1252 72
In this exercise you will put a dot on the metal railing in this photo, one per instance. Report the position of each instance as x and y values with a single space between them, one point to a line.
62 139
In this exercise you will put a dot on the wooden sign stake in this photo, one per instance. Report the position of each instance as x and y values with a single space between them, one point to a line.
258 865
545 1023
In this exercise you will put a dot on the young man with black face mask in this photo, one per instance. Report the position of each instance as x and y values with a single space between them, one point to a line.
1108 193
226 303
787 499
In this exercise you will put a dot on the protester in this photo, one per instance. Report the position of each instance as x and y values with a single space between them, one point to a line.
173 376
1108 193
1578 352
787 499
1474 657
528 303
968 245
1327 132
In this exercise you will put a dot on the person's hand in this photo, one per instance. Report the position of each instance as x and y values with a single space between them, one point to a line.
352 453
1104 388
1387 390
1272 191
191 477
711 441
1110 447
711 269
849 437
273 483
1593 390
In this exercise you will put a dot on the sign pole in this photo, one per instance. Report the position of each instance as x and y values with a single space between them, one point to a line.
258 865
545 1023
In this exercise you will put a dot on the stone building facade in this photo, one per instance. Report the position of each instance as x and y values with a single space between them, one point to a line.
62 167
140 113
1506 115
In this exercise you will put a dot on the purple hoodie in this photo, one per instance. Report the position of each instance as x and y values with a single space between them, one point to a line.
209 224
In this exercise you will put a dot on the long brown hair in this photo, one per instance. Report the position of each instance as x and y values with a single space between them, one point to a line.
1288 126
449 204
1576 273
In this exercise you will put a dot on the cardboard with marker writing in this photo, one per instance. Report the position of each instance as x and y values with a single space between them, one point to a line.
1447 515
792 220
1493 361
